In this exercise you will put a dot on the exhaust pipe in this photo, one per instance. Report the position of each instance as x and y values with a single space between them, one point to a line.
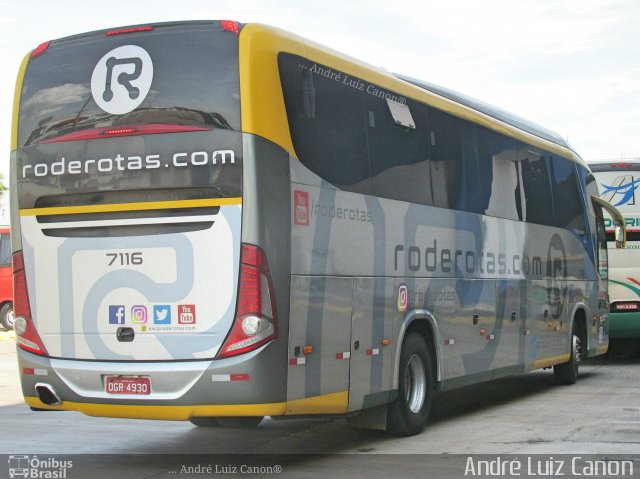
47 394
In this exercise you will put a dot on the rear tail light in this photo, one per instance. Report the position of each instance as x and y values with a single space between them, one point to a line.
132 130
230 26
120 31
26 334
255 321
40 49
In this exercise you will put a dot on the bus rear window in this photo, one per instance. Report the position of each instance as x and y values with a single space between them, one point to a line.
183 74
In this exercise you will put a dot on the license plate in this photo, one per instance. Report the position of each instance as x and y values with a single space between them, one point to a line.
128 385
627 306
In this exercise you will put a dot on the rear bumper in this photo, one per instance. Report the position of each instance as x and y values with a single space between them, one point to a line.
241 386
624 325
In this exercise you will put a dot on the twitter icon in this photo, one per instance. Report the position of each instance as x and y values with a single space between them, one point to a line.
162 314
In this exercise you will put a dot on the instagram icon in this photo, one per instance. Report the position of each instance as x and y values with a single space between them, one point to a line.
139 314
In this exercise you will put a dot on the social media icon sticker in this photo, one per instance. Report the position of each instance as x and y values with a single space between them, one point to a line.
403 298
186 314
116 314
161 314
139 314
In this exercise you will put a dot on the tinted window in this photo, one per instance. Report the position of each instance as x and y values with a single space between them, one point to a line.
5 250
327 122
195 82
567 196
398 155
445 155
538 207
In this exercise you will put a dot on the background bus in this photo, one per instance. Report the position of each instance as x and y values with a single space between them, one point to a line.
266 227
6 279
618 183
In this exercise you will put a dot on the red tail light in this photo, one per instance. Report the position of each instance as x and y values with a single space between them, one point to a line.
121 31
255 322
26 334
133 130
230 26
40 49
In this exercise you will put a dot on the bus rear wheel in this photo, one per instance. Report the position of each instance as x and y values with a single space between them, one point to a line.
248 422
408 414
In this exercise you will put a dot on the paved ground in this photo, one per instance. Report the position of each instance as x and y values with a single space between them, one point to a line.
522 415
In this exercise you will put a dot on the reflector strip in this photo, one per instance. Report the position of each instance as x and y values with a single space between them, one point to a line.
345 355
229 377
373 352
142 206
449 342
296 361
490 337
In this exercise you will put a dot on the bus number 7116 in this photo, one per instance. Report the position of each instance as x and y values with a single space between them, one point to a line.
125 259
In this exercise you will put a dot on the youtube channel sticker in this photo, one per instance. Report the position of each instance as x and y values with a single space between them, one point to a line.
186 314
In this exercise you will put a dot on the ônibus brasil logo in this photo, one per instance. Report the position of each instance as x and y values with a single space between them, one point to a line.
32 466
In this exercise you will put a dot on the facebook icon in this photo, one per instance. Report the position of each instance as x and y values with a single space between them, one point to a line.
116 314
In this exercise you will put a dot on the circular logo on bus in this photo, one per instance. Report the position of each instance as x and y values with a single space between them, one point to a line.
556 276
121 79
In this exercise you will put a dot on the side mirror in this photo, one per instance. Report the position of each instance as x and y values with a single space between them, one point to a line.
620 235
620 230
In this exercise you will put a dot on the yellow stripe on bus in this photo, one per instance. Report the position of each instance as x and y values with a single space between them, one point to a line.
335 403
547 362
16 101
141 206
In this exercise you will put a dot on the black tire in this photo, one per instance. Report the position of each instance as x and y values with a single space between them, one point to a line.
6 316
248 422
408 414
567 373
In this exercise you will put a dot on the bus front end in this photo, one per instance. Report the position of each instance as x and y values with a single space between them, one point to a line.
138 292
618 183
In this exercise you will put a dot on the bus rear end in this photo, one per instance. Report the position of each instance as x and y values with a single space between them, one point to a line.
618 182
135 293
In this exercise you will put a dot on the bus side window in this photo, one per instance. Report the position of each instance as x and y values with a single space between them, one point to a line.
327 120
398 155
5 250
537 188
566 197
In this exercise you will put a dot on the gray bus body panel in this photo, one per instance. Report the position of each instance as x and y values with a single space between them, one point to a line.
499 294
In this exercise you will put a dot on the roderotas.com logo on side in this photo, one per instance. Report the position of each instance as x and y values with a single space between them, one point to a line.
41 468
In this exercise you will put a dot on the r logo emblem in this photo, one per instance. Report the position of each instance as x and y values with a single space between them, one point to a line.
121 79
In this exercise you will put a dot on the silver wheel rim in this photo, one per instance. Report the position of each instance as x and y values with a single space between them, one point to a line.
415 383
10 318
576 348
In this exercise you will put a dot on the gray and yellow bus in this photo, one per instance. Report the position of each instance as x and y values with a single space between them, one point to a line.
219 222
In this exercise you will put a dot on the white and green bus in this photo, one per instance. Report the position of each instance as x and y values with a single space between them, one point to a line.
219 222
618 182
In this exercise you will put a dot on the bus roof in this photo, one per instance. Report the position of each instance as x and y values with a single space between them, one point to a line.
274 40
490 110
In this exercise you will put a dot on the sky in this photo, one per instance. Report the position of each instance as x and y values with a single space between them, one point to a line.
571 66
